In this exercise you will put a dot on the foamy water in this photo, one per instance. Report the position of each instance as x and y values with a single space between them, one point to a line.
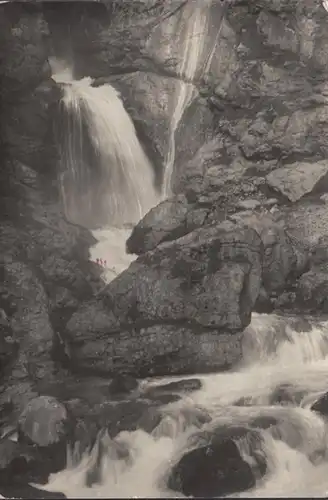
105 176
295 454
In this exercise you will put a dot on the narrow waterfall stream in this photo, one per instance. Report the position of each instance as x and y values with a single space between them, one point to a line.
192 44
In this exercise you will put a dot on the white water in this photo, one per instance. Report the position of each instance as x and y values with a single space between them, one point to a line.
191 42
120 183
116 186
296 453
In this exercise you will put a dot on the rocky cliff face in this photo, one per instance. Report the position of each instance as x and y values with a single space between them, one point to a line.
257 137
246 228
267 91
43 257
251 149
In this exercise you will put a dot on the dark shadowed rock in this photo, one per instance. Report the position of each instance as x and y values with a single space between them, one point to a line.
263 422
163 398
217 469
21 464
321 405
312 289
286 394
122 384
187 385
28 491
127 416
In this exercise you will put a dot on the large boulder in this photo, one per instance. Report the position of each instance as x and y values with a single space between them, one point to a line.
312 289
44 421
299 179
167 221
210 278
206 280
280 259
152 351
218 468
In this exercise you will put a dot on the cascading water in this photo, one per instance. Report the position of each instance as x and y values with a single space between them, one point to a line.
193 32
124 178
106 179
280 357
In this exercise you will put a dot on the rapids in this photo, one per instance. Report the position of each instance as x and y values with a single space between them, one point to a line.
296 456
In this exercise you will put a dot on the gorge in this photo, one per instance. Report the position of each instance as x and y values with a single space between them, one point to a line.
184 142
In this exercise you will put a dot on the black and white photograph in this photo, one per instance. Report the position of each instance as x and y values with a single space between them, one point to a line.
163 249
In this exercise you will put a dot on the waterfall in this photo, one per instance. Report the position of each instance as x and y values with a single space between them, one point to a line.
193 32
106 178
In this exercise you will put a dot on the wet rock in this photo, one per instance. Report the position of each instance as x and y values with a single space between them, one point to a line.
24 463
179 419
9 450
28 491
264 422
184 386
216 469
321 405
195 129
44 421
299 179
286 394
163 398
129 416
113 417
244 401
122 384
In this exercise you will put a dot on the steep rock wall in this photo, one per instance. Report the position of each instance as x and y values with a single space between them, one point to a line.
43 261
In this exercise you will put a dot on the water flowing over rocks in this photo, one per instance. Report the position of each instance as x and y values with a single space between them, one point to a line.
241 120
217 468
